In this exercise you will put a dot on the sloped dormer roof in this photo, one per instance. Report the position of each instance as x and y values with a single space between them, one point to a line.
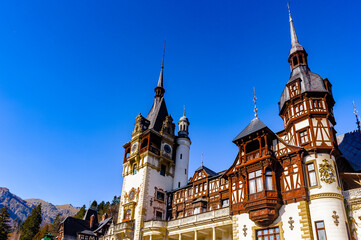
254 126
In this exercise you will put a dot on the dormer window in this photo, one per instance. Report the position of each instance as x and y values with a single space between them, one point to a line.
255 182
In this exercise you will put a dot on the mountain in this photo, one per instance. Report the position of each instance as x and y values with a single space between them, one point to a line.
21 209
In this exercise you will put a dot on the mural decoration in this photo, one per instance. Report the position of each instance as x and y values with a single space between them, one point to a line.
327 173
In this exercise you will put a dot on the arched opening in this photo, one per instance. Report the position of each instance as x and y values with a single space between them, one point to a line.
144 144
295 61
252 146
134 169
127 153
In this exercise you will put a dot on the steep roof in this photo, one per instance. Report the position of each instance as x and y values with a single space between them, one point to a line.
157 114
254 126
350 146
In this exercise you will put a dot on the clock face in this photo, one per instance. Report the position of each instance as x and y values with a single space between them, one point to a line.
131 195
167 148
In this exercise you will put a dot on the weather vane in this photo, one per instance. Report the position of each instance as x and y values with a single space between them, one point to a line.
255 103
356 114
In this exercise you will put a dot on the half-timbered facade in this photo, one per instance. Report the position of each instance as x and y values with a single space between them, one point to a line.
281 185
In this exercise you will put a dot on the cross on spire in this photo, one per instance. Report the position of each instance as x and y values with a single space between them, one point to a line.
356 115
255 103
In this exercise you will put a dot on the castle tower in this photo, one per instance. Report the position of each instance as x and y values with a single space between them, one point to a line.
306 107
148 168
182 154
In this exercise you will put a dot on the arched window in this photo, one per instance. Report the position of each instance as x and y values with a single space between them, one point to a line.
269 182
181 156
144 143
301 59
127 153
295 61
128 214
135 169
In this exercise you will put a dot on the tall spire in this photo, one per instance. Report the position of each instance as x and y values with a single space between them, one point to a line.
160 81
294 39
356 114
255 103
159 90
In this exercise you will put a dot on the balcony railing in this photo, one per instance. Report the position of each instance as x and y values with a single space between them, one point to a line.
257 154
224 212
124 226
155 224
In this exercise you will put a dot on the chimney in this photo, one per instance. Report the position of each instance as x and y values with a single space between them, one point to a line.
92 221
105 215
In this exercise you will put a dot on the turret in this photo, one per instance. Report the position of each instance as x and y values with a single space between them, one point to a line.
182 154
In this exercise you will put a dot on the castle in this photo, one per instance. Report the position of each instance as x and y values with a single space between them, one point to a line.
281 185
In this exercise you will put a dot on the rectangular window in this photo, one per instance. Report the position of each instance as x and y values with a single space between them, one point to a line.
160 196
185 171
320 230
205 186
158 215
311 174
162 170
255 181
304 137
197 210
196 190
317 103
225 203
201 187
298 108
269 182
268 234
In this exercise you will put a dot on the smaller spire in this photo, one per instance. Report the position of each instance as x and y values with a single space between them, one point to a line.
202 160
255 103
356 114
184 110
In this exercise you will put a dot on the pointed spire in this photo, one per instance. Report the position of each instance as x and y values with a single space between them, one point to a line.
356 114
294 39
159 90
202 160
184 110
160 81
255 103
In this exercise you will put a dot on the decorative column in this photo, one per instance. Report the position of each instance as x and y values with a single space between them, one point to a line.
150 237
214 233
180 236
195 235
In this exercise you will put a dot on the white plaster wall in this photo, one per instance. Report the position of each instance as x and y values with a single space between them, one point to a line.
322 209
243 219
301 125
181 164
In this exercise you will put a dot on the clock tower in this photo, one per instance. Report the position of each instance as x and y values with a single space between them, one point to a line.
148 168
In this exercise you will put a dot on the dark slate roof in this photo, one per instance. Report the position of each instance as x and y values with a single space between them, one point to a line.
254 126
207 170
157 114
103 223
310 82
89 213
350 146
73 226
88 232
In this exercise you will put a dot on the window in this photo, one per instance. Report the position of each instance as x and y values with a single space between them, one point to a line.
304 137
135 169
311 174
223 181
298 108
205 186
128 214
269 182
160 196
178 184
190 192
196 191
201 187
158 215
320 230
185 171
181 155
268 234
162 170
255 181
301 59
317 103
197 210
295 61
225 203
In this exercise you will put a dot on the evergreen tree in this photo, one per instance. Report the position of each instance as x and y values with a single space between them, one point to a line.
54 227
94 205
31 225
5 227
41 233
115 201
81 213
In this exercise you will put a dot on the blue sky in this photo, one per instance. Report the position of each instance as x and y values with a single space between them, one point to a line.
75 74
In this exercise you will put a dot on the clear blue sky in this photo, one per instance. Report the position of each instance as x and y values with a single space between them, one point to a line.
75 74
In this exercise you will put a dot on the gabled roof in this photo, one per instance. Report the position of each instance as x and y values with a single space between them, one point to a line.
207 170
254 126
157 114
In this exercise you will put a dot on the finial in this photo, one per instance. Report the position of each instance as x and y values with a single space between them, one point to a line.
202 160
294 39
255 103
289 11
356 114
184 110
